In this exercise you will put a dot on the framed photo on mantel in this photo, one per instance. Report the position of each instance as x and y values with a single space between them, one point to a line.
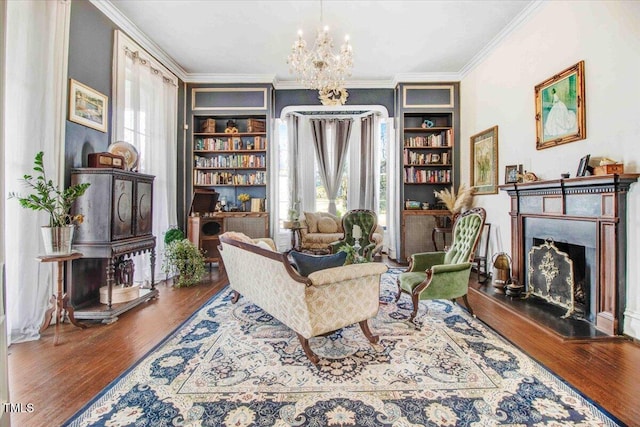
560 111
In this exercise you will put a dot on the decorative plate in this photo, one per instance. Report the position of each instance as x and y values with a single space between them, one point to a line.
126 150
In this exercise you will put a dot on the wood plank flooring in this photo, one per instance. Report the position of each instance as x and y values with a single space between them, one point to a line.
59 380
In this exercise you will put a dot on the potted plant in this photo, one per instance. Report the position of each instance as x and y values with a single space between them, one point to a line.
47 196
184 261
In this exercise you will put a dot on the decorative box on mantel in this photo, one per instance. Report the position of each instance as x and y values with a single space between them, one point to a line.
588 213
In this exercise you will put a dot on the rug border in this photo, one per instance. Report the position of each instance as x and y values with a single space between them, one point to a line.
111 384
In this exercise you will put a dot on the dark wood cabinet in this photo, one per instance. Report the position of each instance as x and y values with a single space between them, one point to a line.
117 209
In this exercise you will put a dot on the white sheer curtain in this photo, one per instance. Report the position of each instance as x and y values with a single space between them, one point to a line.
146 116
35 88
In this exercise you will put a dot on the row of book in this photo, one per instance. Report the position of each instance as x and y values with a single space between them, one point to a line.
414 158
231 161
418 176
229 178
233 143
442 139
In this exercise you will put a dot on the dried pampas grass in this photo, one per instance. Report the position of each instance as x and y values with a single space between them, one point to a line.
456 202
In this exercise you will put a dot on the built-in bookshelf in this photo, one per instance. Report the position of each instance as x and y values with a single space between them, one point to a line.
230 156
428 161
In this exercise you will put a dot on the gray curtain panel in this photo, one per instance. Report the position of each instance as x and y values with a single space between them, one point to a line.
331 153
294 170
367 164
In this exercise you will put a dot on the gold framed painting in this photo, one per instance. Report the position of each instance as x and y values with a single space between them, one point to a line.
87 106
484 161
560 108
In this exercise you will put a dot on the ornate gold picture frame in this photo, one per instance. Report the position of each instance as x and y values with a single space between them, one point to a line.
484 161
560 109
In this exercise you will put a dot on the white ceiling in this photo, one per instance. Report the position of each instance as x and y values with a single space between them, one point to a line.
249 40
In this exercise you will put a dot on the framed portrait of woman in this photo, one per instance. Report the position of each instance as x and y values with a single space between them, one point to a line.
560 111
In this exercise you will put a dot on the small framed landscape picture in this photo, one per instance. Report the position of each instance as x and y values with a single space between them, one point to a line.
512 173
88 107
484 161
560 112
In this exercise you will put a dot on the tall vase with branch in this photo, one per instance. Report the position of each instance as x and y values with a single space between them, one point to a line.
47 196
456 203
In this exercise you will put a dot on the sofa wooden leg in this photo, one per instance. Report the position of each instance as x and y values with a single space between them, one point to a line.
364 325
307 350
466 302
399 291
235 296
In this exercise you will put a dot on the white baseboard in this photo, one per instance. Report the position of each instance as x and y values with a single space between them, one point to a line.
631 325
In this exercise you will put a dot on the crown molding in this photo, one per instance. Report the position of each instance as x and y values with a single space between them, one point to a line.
111 12
229 78
500 37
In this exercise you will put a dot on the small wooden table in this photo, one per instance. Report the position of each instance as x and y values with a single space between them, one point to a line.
59 302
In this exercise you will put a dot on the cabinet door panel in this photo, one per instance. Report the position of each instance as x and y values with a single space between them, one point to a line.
144 208
122 220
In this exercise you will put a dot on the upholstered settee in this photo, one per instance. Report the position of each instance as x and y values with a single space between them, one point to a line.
323 302
321 229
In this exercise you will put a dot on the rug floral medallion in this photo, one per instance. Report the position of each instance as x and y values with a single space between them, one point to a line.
235 365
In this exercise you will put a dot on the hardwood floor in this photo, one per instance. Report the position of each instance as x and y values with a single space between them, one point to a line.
59 380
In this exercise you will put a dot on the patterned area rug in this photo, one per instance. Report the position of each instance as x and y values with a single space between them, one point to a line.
234 365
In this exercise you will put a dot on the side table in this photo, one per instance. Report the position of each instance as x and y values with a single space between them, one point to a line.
296 237
59 302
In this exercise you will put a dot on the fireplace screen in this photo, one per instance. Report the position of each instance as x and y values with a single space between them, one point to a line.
551 276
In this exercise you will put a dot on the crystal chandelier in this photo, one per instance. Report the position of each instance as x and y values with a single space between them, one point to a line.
321 68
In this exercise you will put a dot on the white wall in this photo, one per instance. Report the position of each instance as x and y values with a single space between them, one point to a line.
500 91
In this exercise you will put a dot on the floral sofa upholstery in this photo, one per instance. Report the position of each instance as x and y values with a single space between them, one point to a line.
320 229
323 302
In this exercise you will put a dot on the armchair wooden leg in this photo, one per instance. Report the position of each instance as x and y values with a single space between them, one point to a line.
235 296
307 350
364 325
416 304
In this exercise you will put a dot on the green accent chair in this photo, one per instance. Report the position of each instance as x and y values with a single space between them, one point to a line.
367 220
444 275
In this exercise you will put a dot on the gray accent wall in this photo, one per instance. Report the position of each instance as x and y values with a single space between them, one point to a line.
90 63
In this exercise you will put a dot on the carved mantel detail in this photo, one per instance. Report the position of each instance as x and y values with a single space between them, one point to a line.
597 202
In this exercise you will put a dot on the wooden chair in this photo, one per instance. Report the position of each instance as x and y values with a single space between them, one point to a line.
480 258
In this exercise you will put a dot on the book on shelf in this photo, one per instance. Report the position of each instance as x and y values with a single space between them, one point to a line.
230 161
234 143
229 178
441 139
424 176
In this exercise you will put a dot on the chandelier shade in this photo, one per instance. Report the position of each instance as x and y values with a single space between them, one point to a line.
321 68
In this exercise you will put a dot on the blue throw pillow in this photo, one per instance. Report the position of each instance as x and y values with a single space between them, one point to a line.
307 264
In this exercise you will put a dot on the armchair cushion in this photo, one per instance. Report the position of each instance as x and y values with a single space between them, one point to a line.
425 260
307 264
327 225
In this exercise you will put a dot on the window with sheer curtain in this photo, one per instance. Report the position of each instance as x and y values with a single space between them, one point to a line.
145 115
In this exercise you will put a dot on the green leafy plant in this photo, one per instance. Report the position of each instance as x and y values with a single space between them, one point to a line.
47 196
353 257
184 261
173 233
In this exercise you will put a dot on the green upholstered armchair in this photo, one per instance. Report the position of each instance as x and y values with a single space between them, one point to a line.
367 220
444 275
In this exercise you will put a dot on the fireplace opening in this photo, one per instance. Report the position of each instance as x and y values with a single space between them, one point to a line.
571 289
